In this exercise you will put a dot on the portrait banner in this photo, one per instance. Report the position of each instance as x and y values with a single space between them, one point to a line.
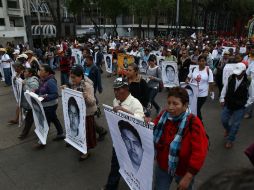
133 142
143 66
74 110
227 71
77 54
170 74
40 121
159 60
14 87
123 60
192 90
19 88
108 63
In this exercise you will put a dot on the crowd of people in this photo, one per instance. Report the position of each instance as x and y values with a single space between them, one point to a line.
180 138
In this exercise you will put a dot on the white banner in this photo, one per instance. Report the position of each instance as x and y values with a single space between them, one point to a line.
227 71
40 121
143 66
133 143
192 90
74 110
108 63
159 60
170 74
17 86
77 54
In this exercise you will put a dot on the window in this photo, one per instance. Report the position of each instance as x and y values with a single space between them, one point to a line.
16 22
2 22
13 4
1 5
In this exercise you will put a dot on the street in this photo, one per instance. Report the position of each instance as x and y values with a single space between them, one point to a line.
57 166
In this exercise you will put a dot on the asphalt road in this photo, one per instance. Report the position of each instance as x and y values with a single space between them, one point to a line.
57 167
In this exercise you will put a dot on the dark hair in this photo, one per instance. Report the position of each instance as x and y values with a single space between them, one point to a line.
89 57
77 70
201 57
237 179
32 71
170 67
134 66
179 92
48 69
74 103
126 125
152 58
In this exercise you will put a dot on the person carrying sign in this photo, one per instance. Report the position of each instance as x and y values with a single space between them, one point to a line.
125 102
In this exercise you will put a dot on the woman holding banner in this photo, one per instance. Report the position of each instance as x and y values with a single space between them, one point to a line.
180 141
83 84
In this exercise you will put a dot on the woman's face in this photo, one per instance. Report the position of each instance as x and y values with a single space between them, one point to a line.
131 72
151 63
175 106
42 73
202 62
75 79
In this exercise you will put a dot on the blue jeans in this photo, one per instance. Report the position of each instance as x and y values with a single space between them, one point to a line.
152 94
163 180
64 78
231 120
7 76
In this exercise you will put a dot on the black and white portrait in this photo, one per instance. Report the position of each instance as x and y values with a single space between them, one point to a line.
38 112
108 62
192 90
132 142
74 116
170 74
160 60
143 66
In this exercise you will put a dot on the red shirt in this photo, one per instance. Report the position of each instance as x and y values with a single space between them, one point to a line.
66 64
194 146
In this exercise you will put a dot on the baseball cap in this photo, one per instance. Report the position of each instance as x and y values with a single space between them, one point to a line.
120 82
239 68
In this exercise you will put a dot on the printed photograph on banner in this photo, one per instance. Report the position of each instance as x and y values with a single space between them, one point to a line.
123 60
74 110
159 60
157 53
143 65
227 71
40 121
133 143
19 87
192 90
170 74
77 54
15 88
108 63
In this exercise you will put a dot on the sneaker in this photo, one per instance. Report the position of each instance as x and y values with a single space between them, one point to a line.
102 135
59 137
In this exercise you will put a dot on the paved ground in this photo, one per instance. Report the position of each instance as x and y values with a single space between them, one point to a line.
57 167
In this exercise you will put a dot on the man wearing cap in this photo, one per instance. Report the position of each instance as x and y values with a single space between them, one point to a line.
6 66
233 98
169 56
125 102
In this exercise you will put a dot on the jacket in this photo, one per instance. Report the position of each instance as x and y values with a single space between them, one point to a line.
95 76
86 86
48 90
194 145
235 100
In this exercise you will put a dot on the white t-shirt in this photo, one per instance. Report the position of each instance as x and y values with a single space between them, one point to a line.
202 79
5 58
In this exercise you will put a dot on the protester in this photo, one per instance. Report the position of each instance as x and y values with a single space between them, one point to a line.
169 56
66 62
184 65
154 74
203 77
98 58
180 141
125 102
30 83
6 66
32 60
233 98
48 90
83 84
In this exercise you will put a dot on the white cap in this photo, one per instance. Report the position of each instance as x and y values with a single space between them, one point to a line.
239 68
16 51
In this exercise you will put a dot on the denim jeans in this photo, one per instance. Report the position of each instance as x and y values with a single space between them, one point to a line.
7 76
50 113
163 180
152 94
114 175
64 78
200 103
231 120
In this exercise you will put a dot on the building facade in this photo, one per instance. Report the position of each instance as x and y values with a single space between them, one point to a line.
12 24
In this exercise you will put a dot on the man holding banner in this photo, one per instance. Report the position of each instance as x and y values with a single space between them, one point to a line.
124 102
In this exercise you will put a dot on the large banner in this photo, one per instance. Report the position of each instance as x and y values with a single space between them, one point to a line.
74 110
17 86
108 62
170 74
40 121
77 54
123 60
133 143
227 71
192 90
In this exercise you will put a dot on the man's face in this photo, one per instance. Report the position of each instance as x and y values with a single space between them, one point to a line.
170 74
73 117
133 146
120 94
